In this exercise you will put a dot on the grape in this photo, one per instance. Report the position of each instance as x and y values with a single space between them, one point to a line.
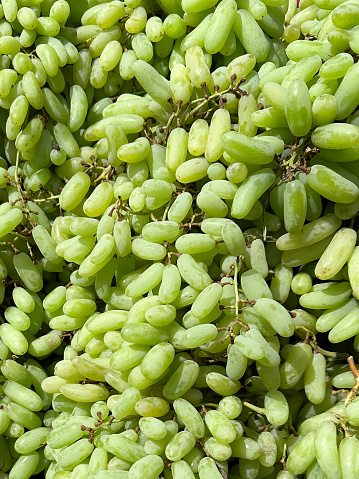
220 124
171 234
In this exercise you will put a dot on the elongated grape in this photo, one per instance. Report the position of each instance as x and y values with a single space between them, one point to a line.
326 451
298 109
302 455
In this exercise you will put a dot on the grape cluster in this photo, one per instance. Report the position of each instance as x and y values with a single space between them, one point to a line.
179 269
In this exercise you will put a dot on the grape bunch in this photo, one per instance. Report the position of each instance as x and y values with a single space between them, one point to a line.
179 262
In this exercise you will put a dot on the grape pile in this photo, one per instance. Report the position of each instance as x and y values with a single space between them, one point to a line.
179 199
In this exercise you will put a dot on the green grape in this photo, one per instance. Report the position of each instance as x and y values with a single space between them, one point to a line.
23 300
25 465
197 36
180 445
221 384
236 362
148 467
302 455
98 460
276 315
314 379
125 405
137 21
17 318
82 68
181 380
161 315
10 220
301 283
65 435
246 28
281 283
22 416
332 316
208 468
110 56
152 82
220 427
349 322
324 109
298 108
147 281
180 84
220 124
249 347
237 172
13 339
158 232
176 149
18 110
31 440
268 446
14 371
293 368
268 118
197 138
222 188
295 206
244 149
341 246
153 428
155 29
45 344
23 396
180 469
191 418
195 243
193 170
246 107
330 294
138 312
251 189
174 26
276 407
217 450
245 448
157 360
346 98
312 233
143 334
258 257
221 24
347 456
254 285
206 300
326 451
154 406
158 446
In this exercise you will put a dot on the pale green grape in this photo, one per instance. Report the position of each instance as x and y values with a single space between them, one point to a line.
326 451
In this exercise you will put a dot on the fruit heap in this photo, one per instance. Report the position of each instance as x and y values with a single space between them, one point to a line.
179 193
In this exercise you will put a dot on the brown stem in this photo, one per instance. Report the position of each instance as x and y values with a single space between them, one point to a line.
352 393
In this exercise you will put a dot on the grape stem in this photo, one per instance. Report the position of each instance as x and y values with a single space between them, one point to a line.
330 354
296 153
283 457
258 410
41 200
210 404
352 393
